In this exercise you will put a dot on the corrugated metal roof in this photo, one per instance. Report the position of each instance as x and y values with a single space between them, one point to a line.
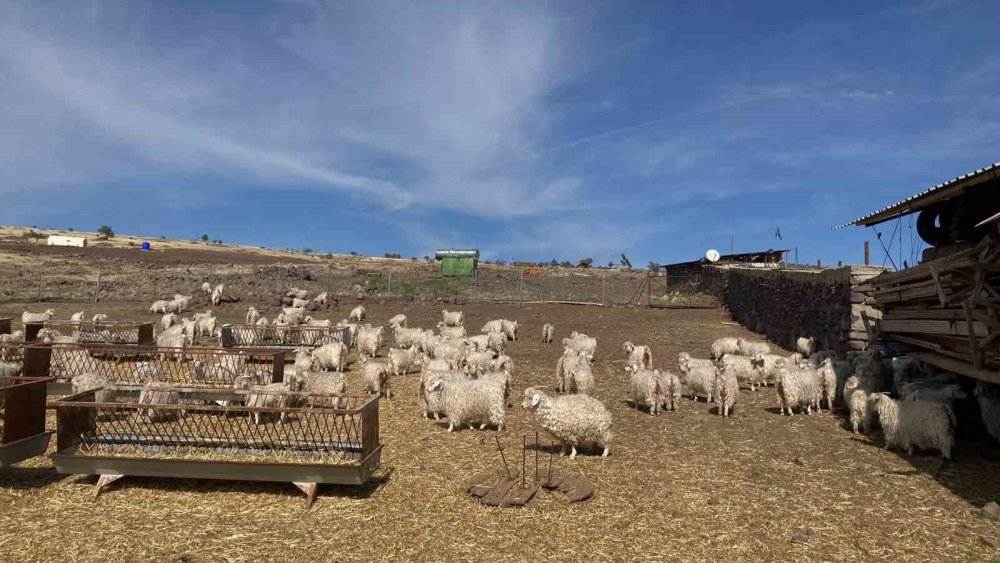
914 202
738 257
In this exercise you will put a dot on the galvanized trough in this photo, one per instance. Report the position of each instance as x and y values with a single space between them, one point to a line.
282 337
135 366
107 332
306 439
22 419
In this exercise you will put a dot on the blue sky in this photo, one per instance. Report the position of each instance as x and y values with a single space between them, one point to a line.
531 130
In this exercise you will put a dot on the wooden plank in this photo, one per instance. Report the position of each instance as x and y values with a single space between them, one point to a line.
937 284
957 366
553 480
583 490
934 327
498 492
872 333
923 315
519 496
478 480
973 341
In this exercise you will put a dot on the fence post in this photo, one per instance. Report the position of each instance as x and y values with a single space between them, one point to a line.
97 290
38 290
520 281
388 290
604 283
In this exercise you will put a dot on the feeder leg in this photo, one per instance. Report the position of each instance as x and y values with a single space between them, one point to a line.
104 481
310 490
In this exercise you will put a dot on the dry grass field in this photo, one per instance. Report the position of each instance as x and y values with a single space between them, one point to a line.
682 486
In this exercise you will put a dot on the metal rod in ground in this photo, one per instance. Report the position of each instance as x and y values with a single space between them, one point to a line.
524 458
536 456
551 455
502 457
97 290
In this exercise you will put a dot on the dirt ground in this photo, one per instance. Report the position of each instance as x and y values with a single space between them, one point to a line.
688 485
168 256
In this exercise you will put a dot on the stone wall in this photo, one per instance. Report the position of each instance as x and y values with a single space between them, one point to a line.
785 304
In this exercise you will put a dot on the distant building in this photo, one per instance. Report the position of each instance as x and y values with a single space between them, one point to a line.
57 240
458 262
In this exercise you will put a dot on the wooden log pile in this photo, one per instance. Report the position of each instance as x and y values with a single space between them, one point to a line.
946 310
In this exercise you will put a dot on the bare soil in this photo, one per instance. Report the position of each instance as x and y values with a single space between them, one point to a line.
689 485
163 256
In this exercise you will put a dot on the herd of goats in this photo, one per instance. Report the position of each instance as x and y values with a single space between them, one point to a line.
468 378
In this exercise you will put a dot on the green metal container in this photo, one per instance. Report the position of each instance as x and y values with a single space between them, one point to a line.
459 266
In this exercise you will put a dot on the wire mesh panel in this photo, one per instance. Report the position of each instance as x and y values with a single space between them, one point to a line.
255 426
138 365
22 419
107 332
11 359
285 337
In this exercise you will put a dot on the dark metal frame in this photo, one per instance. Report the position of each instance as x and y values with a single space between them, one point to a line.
22 408
80 415
121 332
5 325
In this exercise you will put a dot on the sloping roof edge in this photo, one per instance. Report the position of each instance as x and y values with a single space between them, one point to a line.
923 199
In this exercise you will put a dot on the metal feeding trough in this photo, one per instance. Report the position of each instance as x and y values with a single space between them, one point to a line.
302 438
125 365
105 332
282 337
513 488
22 419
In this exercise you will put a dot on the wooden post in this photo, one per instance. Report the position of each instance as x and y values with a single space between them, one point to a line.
37 359
97 290
388 289
866 253
604 283
796 255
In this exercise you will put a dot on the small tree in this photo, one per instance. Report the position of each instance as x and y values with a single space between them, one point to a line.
204 238
106 232
585 263
70 229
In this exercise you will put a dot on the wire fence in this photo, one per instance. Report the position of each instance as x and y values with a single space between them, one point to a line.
267 284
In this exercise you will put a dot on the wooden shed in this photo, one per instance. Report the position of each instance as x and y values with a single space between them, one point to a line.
946 310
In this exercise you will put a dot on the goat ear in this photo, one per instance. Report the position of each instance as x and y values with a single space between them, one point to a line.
535 399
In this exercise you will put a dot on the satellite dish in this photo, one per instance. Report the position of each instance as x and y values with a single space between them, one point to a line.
712 255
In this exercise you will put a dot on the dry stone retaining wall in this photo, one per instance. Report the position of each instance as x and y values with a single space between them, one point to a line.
785 304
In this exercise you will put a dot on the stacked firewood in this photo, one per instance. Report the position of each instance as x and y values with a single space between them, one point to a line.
947 310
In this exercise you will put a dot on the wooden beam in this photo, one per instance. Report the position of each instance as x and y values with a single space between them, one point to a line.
973 341
957 366
934 327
